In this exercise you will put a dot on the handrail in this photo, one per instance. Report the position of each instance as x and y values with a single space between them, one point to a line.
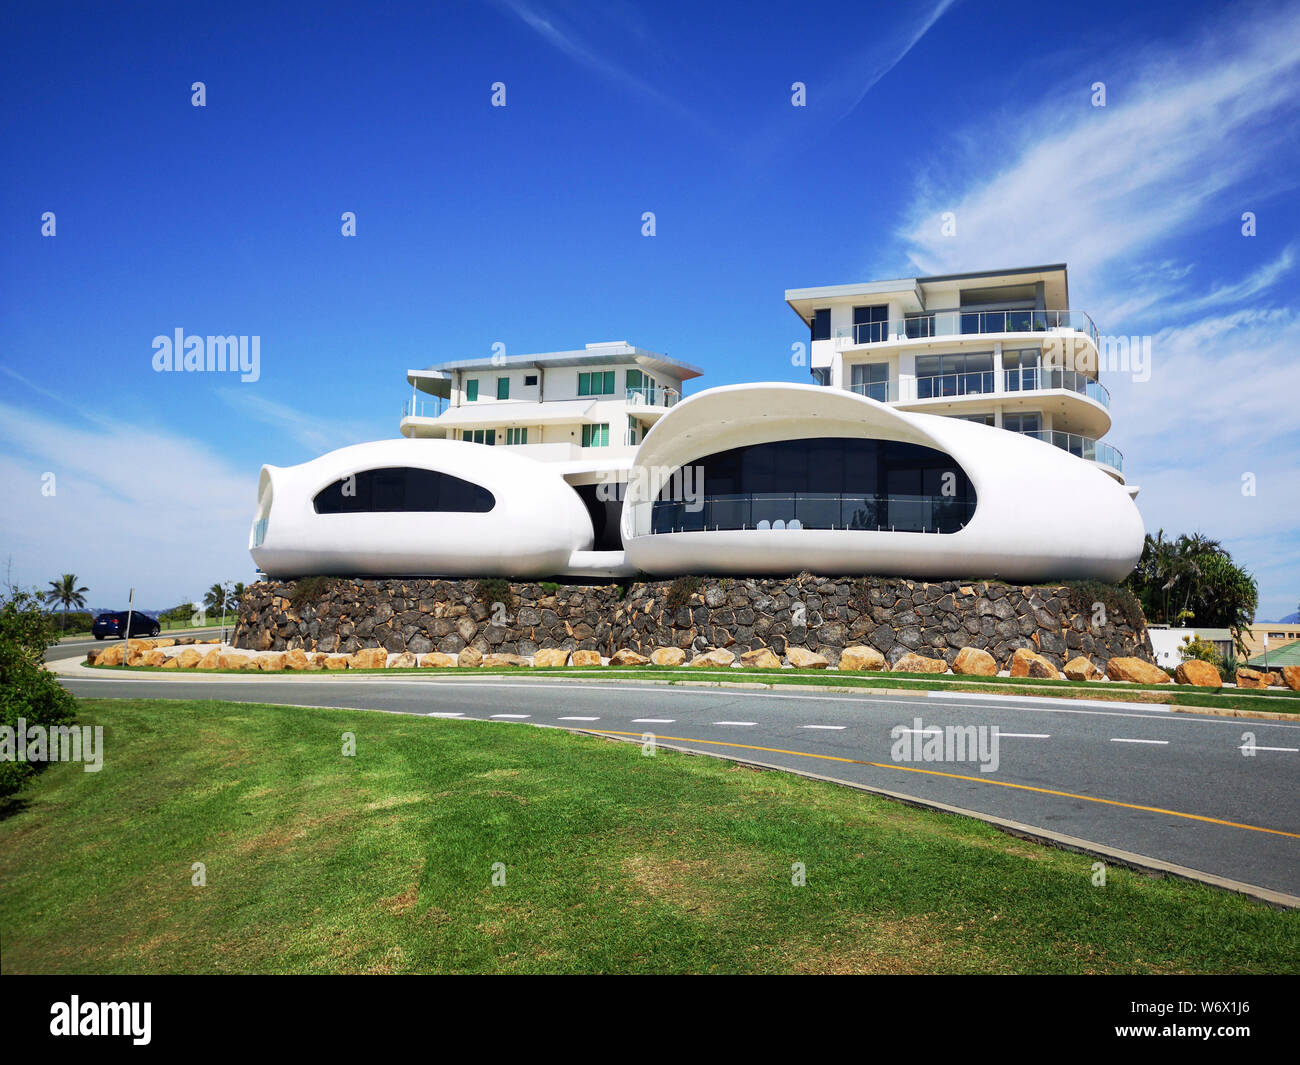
957 322
798 511
1083 447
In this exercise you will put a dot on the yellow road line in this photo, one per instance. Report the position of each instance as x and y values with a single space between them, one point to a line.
959 776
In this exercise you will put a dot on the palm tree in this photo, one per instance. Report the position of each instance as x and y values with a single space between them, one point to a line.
237 595
64 591
1191 552
216 598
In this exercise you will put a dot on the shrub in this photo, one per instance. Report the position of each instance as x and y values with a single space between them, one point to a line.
1118 601
307 589
681 590
27 689
495 590
1200 649
72 621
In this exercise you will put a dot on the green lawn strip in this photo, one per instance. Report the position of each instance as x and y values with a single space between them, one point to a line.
615 862
1273 701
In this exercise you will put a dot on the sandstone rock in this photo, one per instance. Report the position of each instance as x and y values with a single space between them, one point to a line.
1201 674
188 659
1274 678
211 660
625 657
316 660
1291 677
169 642
762 658
110 656
152 658
1027 663
297 660
720 658
973 662
1250 678
334 662
138 645
860 657
437 660
271 663
586 658
1081 668
915 663
501 661
368 658
405 660
667 656
1136 671
171 663
235 661
551 658
802 658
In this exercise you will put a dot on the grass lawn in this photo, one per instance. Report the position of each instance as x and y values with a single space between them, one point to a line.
614 862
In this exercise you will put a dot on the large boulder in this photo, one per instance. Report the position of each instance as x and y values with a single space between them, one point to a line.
1136 671
211 660
972 662
188 659
1027 663
369 658
316 660
1291 677
168 642
469 658
271 663
236 661
402 660
437 660
915 663
297 660
586 658
171 663
667 656
802 658
860 658
152 658
1251 678
110 656
551 658
1081 668
1274 678
719 658
337 662
625 657
760 658
1201 674
503 661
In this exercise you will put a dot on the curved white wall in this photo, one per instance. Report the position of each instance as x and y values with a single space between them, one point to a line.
1041 513
538 521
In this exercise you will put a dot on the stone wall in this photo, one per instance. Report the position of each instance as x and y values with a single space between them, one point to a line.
822 614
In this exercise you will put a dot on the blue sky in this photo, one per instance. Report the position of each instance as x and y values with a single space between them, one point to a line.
522 225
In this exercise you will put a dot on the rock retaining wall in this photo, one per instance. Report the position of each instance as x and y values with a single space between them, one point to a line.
895 616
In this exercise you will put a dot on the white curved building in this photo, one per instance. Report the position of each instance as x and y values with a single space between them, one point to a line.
953 432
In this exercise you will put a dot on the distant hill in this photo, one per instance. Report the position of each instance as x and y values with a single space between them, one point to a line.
1290 619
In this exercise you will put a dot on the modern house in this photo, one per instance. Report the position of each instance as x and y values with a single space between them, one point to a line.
952 429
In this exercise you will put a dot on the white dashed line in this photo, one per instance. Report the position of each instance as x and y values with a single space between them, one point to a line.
836 728
577 719
1248 747
514 717
444 715
743 723
653 720
1118 739
1023 735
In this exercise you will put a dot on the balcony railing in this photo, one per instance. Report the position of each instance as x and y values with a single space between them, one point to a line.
1082 446
424 408
658 396
958 323
877 390
807 510
1031 378
974 383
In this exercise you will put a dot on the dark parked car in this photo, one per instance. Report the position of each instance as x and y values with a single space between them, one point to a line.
114 624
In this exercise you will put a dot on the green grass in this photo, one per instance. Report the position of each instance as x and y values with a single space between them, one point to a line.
615 862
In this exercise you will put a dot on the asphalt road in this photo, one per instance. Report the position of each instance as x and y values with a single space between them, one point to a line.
1173 787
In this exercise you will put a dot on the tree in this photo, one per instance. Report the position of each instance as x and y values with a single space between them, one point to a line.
216 598
65 592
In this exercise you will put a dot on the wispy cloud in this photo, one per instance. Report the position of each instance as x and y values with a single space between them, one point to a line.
312 432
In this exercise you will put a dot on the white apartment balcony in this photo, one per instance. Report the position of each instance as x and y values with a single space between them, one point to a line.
649 404
988 325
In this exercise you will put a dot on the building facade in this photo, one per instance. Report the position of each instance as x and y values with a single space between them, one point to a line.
953 429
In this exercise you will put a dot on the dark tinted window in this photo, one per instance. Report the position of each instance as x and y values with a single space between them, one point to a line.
402 488
821 327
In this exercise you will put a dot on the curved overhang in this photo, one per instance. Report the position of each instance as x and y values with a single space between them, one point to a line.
1041 513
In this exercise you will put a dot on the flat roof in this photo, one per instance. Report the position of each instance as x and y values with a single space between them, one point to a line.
591 354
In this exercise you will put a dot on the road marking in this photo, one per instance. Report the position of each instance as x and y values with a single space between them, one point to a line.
578 719
1120 739
514 717
1023 735
653 720
977 780
836 728
919 731
440 714
1247 747
744 724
